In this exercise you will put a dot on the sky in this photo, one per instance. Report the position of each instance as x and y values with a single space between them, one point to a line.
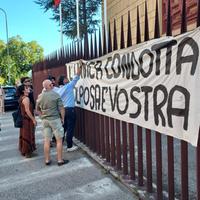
26 19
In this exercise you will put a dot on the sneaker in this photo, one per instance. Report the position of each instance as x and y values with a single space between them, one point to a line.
74 148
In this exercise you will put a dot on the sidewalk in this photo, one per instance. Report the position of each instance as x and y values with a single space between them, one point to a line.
30 179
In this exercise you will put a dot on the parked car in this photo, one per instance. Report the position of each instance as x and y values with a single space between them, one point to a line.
11 99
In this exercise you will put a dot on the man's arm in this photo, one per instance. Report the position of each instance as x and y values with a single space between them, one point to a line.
61 109
81 65
73 82
62 113
37 107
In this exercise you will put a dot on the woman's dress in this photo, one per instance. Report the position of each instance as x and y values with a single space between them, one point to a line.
27 132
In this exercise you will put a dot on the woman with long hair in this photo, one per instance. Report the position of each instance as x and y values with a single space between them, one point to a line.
27 132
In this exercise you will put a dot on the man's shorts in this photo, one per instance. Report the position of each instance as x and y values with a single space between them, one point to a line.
52 127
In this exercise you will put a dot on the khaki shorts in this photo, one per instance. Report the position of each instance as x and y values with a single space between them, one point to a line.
52 127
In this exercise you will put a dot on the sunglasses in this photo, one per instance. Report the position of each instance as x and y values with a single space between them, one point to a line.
27 81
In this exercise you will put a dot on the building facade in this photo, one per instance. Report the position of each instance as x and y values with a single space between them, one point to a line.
116 9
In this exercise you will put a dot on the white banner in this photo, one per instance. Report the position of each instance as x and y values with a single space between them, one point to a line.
155 85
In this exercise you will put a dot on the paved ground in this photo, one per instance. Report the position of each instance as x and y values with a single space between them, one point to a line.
30 179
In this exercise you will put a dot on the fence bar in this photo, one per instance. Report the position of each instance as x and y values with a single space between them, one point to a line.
77 132
91 47
118 145
104 42
109 40
132 151
87 121
82 126
93 131
169 21
183 17
112 141
79 125
124 141
97 127
86 47
138 33
159 166
140 156
90 129
184 170
95 45
102 136
107 138
198 167
115 46
170 154
157 27
85 116
198 13
149 160
100 44
122 45
129 35
184 145
146 24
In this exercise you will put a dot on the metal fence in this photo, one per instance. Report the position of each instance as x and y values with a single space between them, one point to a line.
164 167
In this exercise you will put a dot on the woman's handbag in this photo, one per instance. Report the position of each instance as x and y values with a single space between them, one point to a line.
17 118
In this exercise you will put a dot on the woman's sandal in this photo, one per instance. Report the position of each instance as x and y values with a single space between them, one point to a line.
63 162
48 162
28 155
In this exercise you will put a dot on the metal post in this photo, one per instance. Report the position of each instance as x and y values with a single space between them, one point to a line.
105 23
7 40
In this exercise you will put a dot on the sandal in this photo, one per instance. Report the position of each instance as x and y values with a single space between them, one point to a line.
48 163
28 155
62 162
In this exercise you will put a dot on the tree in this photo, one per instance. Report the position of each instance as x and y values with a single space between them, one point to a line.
88 15
21 57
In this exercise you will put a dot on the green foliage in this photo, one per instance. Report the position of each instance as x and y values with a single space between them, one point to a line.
88 19
2 80
21 58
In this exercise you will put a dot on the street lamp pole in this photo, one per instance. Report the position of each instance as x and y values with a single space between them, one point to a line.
7 40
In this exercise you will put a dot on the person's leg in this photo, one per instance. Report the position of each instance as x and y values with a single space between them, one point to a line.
71 119
47 149
59 148
58 132
1 105
47 132
65 124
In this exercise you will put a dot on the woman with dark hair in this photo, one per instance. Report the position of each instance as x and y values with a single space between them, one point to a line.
27 132
62 80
